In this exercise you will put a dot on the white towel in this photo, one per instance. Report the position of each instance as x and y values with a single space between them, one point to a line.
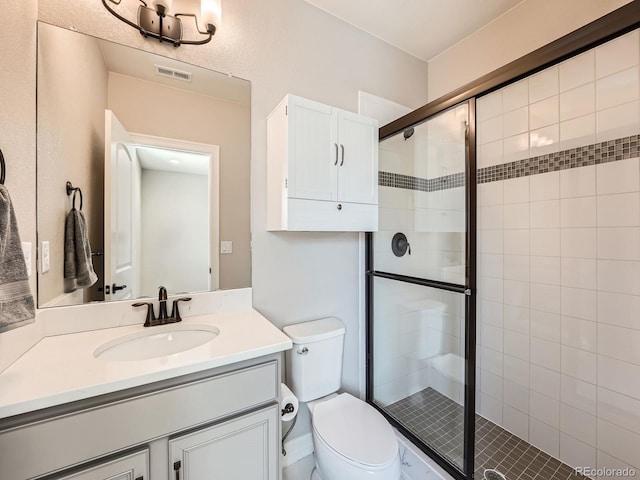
16 302
78 265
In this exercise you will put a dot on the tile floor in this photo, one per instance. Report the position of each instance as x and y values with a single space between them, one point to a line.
438 420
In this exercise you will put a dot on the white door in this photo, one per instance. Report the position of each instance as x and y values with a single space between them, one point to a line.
119 192
245 448
358 163
131 467
313 150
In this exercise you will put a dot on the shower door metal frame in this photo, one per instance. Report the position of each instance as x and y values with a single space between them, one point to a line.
608 27
468 290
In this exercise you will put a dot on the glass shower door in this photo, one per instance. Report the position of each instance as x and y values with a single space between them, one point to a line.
420 276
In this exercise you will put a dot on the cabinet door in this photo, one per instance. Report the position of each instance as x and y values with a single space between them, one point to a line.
313 150
240 449
131 467
358 162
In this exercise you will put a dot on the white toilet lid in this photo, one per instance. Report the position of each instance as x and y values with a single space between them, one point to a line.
355 430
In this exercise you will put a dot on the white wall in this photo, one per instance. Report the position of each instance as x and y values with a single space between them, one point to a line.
175 230
529 25
559 261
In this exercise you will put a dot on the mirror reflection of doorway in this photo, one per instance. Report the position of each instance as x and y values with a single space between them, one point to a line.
173 195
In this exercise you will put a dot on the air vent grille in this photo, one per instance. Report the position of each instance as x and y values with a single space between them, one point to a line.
173 73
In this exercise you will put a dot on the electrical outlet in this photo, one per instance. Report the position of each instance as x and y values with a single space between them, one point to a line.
226 247
46 260
26 251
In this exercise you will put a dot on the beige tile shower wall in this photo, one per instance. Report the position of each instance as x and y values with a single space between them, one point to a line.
559 262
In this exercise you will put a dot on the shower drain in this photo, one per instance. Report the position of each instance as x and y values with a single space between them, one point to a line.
493 475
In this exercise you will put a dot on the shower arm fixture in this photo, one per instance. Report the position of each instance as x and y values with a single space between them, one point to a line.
158 24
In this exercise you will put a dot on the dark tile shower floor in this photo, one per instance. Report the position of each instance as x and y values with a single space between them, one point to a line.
438 421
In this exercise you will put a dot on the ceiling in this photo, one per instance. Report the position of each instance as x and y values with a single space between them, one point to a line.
154 158
423 28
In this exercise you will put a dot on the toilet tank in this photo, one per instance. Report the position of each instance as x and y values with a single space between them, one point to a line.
314 364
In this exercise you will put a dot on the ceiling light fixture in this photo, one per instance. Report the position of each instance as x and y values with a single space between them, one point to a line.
154 20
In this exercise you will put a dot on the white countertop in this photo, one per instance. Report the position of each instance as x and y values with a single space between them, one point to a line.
62 369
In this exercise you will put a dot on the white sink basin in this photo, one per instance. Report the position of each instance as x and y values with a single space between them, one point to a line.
154 342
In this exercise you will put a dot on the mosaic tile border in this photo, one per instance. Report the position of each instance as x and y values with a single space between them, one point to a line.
594 154
397 180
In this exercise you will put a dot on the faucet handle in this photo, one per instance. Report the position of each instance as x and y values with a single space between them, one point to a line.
175 313
151 317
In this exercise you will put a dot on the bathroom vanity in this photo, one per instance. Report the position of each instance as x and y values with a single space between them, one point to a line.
213 409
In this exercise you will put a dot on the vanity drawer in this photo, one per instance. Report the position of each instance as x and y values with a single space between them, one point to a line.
46 446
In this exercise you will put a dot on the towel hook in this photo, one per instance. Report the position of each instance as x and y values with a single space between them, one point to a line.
2 168
71 189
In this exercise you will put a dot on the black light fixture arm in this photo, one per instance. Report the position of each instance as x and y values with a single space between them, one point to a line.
120 17
210 31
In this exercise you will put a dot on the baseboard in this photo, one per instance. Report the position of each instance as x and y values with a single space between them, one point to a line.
297 448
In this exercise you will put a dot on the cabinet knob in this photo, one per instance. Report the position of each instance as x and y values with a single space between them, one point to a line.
339 206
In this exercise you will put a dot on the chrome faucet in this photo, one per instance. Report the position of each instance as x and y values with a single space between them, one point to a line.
163 317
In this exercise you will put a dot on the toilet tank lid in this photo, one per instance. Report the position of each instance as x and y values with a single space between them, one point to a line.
315 330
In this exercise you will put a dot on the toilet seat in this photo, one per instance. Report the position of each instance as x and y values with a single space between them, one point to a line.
355 431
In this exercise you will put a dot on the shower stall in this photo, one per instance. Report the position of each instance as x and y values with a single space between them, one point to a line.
421 278
503 285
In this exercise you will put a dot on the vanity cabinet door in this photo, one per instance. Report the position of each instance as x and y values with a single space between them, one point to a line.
239 449
131 467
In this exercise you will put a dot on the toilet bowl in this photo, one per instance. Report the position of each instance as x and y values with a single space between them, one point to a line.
351 439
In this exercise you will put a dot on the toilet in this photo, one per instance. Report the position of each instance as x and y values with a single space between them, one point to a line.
351 439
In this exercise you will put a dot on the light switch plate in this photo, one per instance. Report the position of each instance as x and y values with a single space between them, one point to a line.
26 251
226 247
46 260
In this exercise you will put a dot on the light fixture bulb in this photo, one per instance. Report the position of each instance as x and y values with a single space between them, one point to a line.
211 12
162 6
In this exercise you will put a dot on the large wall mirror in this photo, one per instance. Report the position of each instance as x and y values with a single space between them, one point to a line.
148 159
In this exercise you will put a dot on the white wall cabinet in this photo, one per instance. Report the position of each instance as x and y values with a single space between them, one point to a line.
322 168
134 466
240 449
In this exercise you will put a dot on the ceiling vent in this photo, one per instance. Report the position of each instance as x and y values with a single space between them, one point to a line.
173 73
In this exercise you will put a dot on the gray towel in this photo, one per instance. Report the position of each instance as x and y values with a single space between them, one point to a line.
16 302
78 265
